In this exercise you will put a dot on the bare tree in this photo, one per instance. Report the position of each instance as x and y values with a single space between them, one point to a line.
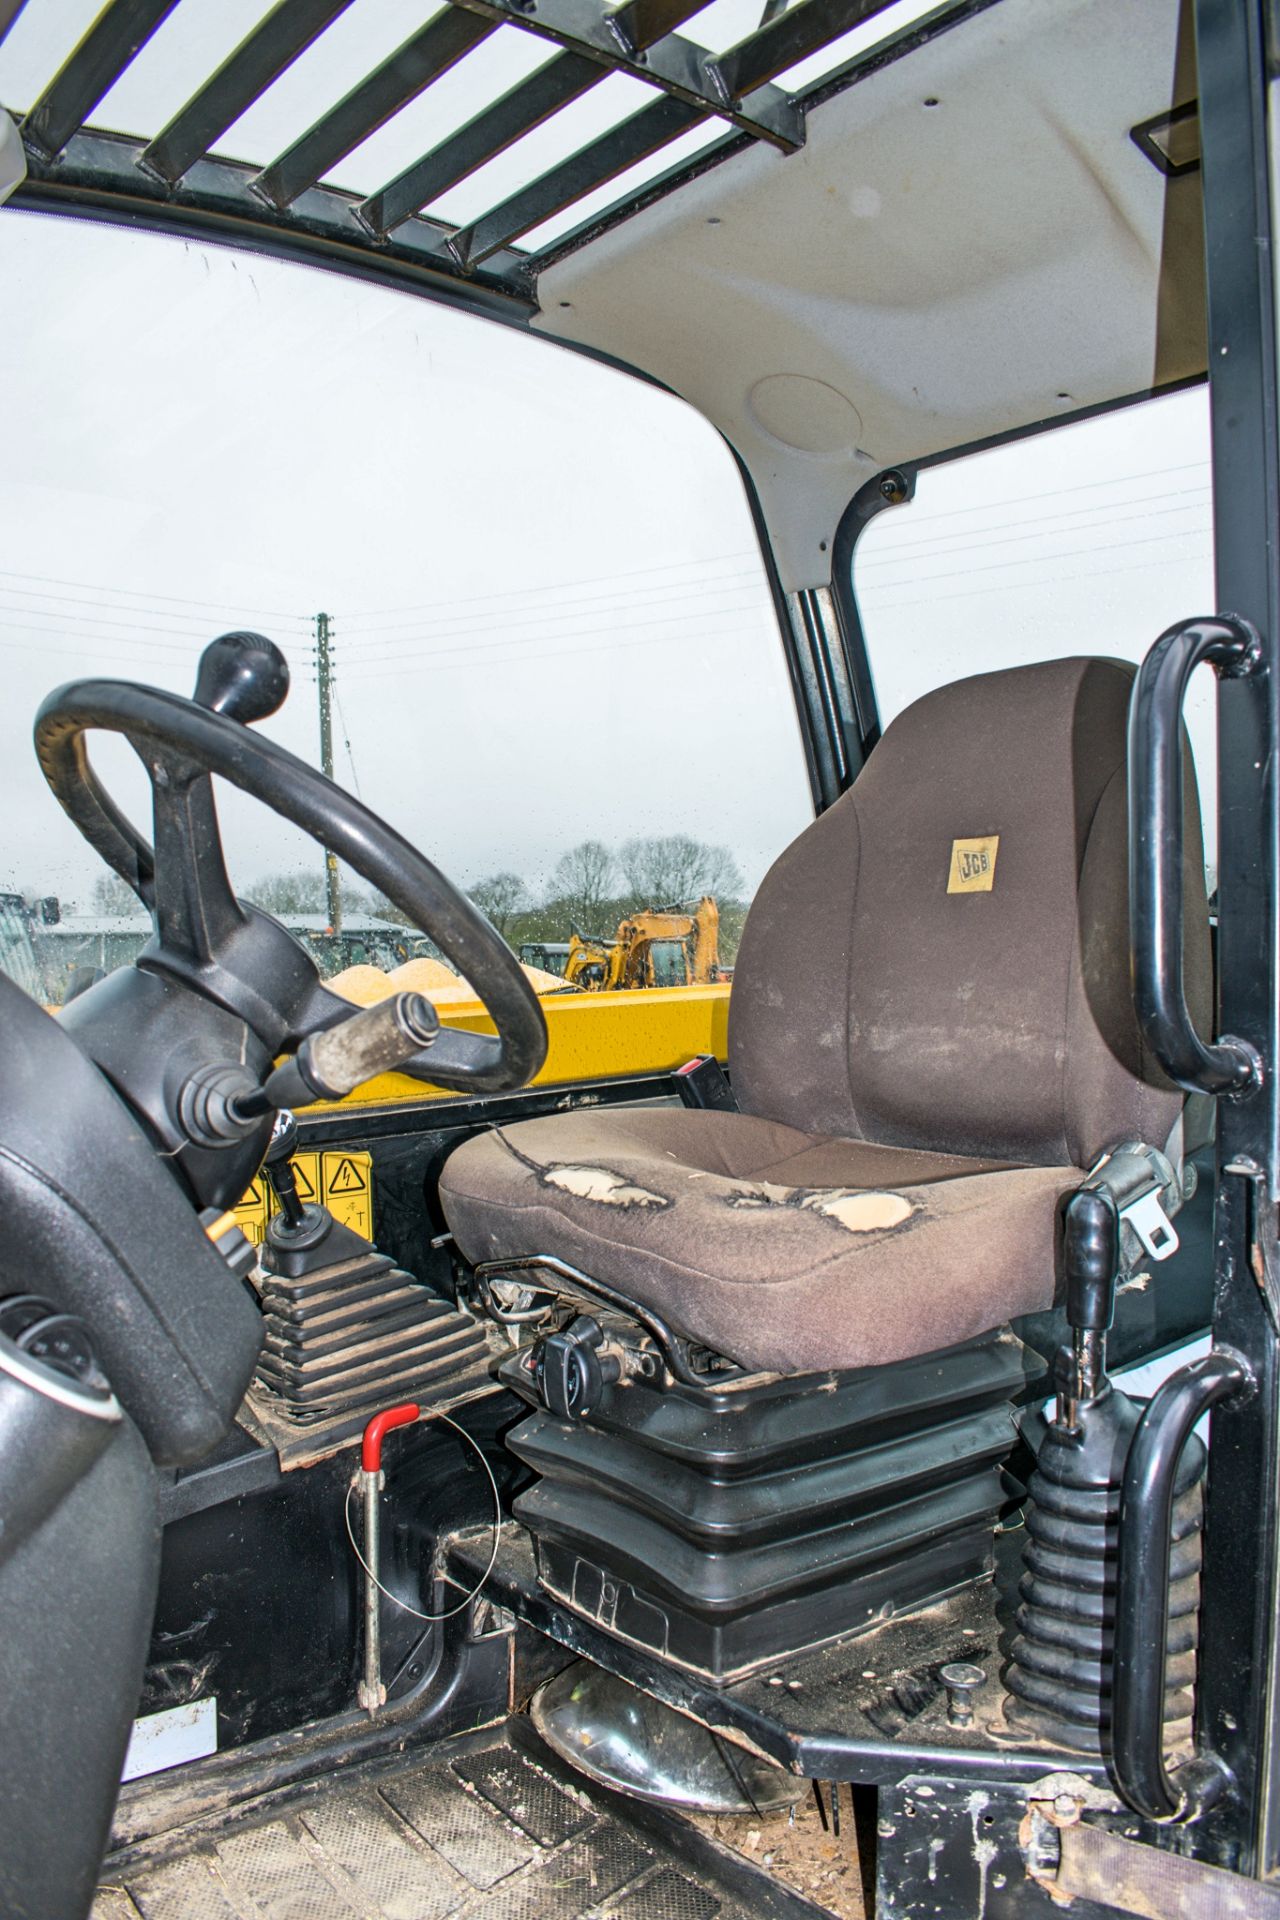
301 892
674 869
114 896
500 897
583 880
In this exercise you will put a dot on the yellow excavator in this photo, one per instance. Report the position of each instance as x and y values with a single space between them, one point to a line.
666 947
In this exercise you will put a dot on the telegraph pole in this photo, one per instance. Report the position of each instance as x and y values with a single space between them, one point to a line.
324 681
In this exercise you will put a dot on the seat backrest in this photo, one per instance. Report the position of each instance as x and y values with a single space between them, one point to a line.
942 959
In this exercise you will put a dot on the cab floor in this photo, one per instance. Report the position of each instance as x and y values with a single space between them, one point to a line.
487 1832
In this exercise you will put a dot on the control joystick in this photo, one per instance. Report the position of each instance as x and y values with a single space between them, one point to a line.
303 1238
299 1225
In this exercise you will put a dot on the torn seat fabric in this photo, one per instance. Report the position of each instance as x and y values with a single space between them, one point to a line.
785 1252
931 1039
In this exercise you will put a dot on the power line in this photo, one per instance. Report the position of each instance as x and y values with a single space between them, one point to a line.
169 598
520 636
583 603
346 739
1017 586
209 616
1084 486
555 586
561 653
91 650
1038 529
1002 566
126 630
471 645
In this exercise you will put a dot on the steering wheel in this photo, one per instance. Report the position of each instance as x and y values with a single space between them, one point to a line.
227 954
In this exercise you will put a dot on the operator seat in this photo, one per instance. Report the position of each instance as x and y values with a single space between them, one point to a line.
931 1040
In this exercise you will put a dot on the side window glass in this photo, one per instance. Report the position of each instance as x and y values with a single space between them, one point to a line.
1091 538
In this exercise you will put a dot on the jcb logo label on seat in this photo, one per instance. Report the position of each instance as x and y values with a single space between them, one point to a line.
973 865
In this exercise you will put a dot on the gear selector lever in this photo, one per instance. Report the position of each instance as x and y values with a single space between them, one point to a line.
279 1171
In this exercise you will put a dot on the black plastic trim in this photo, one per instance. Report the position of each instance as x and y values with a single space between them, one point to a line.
1143 139
893 487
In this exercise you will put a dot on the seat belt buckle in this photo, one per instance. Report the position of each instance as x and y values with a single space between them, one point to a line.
1151 1224
702 1082
1147 1192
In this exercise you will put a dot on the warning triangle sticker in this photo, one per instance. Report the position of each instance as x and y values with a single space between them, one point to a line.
348 1179
306 1186
252 1198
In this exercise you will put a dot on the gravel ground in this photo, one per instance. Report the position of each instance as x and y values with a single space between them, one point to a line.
808 1856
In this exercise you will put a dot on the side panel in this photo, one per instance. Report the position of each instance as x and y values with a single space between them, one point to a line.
76 1601
1238 1716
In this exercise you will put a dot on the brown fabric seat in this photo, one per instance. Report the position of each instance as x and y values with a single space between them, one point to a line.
928 1051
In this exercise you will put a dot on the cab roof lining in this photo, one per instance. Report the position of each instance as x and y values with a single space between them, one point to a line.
951 239
920 276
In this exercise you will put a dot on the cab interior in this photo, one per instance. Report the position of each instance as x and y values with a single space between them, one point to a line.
522 1441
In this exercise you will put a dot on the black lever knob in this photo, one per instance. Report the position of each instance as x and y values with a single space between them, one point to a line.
1091 1259
571 1375
279 1168
242 675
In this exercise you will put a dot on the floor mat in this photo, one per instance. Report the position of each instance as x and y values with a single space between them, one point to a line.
488 1834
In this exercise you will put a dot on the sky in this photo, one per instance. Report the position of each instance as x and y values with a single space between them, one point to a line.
550 615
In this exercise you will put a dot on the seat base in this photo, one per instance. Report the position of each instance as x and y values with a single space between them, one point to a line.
724 1527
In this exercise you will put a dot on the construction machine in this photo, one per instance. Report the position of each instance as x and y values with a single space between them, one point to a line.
661 947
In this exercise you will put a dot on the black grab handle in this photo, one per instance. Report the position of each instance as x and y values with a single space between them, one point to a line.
1142 1597
1232 648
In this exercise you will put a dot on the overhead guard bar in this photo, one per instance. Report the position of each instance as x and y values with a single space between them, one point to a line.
259 60
1142 1597
1233 649
72 162
402 76
111 44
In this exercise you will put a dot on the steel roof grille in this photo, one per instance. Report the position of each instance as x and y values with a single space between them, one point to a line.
787 38
692 88
621 40
406 73
642 23
116 37
490 133
635 39
634 139
262 57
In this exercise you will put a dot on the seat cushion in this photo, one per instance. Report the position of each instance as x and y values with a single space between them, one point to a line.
786 1251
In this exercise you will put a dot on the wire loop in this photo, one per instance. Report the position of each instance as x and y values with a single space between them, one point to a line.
468 1597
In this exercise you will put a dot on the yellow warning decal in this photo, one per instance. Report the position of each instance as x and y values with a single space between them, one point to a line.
343 1182
973 865
346 1177
306 1172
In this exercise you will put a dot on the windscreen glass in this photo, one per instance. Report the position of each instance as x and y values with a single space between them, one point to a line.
520 595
